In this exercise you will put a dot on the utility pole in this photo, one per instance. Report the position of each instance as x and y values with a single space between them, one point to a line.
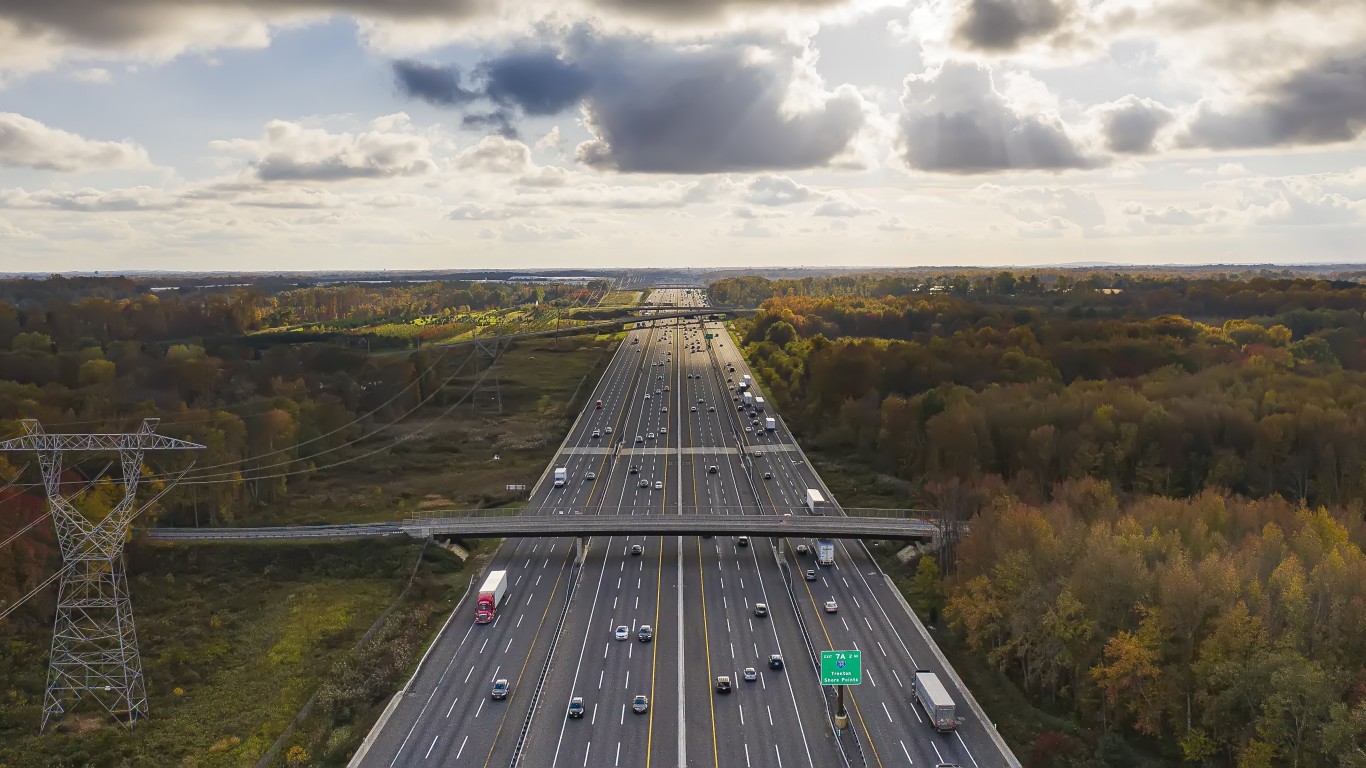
94 646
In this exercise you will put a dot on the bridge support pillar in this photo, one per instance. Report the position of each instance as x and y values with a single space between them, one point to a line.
580 549
782 547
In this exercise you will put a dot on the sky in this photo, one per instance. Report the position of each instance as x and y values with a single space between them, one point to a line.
198 135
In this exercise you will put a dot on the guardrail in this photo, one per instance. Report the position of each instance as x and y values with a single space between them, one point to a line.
545 669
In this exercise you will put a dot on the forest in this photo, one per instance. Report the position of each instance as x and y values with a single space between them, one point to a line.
1163 478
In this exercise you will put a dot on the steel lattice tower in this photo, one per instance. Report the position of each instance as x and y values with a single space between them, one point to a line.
94 645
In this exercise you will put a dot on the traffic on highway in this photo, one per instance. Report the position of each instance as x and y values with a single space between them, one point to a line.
679 650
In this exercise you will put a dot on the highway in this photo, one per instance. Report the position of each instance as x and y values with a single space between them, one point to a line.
669 439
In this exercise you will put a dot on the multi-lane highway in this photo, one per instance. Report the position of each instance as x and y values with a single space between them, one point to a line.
671 438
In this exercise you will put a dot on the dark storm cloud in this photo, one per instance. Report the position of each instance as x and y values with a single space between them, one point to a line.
1004 25
538 82
1131 124
659 108
1323 103
498 121
433 84
954 121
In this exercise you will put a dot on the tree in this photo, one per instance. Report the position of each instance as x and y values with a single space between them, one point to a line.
1130 675
927 588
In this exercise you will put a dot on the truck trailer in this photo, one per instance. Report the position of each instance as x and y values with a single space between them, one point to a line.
758 403
935 699
815 502
770 423
490 597
747 398
745 382
825 552
561 476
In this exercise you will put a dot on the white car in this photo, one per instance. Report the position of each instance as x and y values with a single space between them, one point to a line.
590 476
750 674
649 435
608 430
659 485
831 606
622 632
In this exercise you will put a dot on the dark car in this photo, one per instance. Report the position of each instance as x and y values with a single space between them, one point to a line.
810 574
723 684
640 705
637 549
646 633
743 541
576 708
500 689
775 661
760 609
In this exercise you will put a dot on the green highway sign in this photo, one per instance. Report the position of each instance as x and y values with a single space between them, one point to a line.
709 335
841 667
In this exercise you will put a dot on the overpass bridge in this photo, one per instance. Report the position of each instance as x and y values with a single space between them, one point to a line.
580 526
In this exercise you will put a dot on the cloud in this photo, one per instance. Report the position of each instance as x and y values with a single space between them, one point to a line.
477 212
95 75
1321 103
1005 25
533 233
750 228
92 200
1170 216
290 152
724 105
1131 125
893 224
1046 206
495 154
27 143
1297 201
669 194
552 142
778 190
842 208
955 121
545 176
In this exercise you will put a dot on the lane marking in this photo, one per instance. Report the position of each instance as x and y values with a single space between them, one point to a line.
461 751
433 746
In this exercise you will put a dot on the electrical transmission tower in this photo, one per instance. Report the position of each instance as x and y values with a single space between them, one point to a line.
487 385
94 646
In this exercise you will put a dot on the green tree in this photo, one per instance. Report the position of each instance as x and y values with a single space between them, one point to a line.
927 588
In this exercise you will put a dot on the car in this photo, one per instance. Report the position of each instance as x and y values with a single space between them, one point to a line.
711 409
656 391
646 633
758 454
608 430
647 395
663 430
599 405
640 704
810 574
743 541
590 476
947 765
712 470
635 470
750 675
693 409
723 684
760 609
637 549
666 389
802 549
768 475
740 406
622 632
597 433
639 439
831 606
664 409
649 435
701 401
576 708
500 688
644 483
659 485
749 429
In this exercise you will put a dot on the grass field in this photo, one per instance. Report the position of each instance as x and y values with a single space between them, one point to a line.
543 385
622 299
234 638
237 637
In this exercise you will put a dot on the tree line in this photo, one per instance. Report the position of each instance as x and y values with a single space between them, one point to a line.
1165 477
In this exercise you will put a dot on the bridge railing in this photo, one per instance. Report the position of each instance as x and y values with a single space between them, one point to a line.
926 515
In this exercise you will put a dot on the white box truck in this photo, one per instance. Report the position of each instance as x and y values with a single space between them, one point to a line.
745 381
759 403
770 423
825 552
561 475
935 699
815 502
490 597
748 398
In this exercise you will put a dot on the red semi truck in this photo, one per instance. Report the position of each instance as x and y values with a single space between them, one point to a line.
490 597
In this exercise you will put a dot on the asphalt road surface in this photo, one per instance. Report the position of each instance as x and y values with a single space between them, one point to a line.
671 439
